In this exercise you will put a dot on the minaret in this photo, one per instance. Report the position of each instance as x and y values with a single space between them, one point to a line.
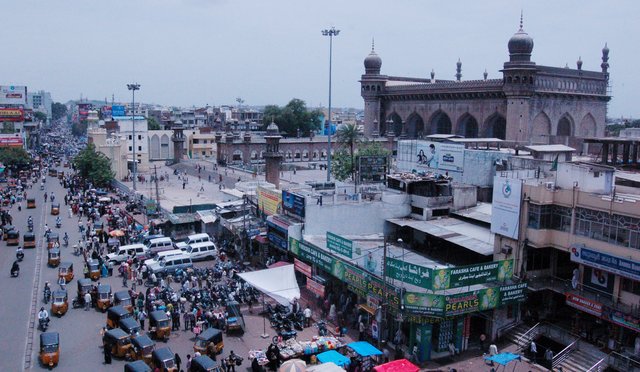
273 156
458 70
178 141
605 61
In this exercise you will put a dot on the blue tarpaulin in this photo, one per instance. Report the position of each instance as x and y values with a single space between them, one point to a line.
335 357
363 348
503 358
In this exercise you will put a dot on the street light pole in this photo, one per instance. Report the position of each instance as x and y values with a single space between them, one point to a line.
331 33
133 88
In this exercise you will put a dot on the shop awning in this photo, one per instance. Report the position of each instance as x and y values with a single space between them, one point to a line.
363 348
325 367
503 358
333 356
207 216
367 308
278 283
464 234
400 365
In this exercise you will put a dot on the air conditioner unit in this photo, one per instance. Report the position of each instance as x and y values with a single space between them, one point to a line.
507 250
550 186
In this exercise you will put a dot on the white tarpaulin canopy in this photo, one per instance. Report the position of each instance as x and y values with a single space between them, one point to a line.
278 283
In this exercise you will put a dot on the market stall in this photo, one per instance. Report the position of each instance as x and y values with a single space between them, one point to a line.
365 353
399 365
278 283
503 359
334 357
325 367
292 348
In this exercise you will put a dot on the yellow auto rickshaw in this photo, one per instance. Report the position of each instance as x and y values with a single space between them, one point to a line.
137 366
5 231
31 203
59 303
209 342
66 270
13 237
61 175
52 239
104 297
98 227
29 240
115 314
49 349
119 342
53 257
123 299
142 348
164 359
204 364
53 172
55 209
84 287
94 269
159 327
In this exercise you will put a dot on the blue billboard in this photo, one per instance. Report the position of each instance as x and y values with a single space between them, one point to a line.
118 110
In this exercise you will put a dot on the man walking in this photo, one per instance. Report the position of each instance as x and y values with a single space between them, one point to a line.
307 316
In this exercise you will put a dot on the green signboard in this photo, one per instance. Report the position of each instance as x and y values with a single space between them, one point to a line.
472 274
312 255
340 245
466 302
409 273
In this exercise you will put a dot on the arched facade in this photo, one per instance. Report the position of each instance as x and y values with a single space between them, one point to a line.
565 126
440 123
467 126
415 125
496 126
541 128
165 144
587 126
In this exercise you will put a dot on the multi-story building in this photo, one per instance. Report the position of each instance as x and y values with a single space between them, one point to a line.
40 101
125 129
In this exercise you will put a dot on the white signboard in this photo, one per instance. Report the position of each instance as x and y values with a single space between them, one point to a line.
13 95
507 198
430 156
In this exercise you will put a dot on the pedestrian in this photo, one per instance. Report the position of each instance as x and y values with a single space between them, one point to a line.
62 282
533 349
361 329
107 354
548 357
231 362
188 366
307 316
87 301
178 360
141 317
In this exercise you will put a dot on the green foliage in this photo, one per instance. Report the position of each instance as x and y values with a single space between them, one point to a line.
94 166
58 110
292 117
40 116
614 129
8 128
79 129
14 157
342 162
152 124
349 135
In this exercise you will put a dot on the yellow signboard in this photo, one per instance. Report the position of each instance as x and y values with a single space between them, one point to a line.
269 201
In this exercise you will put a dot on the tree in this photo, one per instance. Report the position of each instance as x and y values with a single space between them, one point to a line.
79 129
94 166
292 118
40 116
349 135
14 157
58 110
343 163
152 124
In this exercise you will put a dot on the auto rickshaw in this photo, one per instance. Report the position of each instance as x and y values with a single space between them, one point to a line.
164 359
137 366
94 269
104 297
235 320
52 239
115 314
59 304
49 349
55 209
53 257
53 172
204 364
98 227
29 240
130 326
13 237
119 342
31 203
159 325
84 287
142 348
66 270
6 229
123 299
61 175
209 342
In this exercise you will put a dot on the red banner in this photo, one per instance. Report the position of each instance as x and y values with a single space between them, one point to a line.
11 114
11 142
315 287
302 267
584 304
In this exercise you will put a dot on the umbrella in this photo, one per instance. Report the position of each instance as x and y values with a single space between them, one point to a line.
116 233
293 365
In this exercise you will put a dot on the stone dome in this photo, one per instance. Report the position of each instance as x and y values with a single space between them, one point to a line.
273 130
372 63
520 43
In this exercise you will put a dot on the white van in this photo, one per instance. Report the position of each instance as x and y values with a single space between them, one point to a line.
162 255
170 264
126 251
202 251
198 238
159 245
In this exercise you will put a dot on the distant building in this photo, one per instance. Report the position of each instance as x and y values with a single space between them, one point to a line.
40 101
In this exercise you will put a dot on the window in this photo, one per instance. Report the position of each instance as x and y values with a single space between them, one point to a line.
538 258
204 153
629 285
611 228
139 148
130 137
130 148
139 137
552 217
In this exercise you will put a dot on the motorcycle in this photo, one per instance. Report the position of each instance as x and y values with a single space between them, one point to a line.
65 241
15 270
284 336
58 223
322 328
19 255
47 295
30 225
76 303
44 324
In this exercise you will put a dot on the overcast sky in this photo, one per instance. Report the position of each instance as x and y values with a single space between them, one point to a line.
197 52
